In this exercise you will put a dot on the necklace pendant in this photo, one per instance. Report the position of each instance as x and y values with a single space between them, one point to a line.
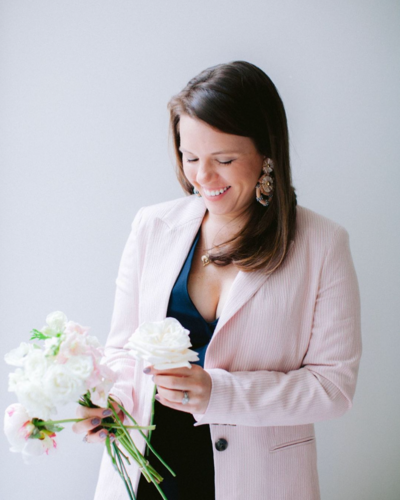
205 259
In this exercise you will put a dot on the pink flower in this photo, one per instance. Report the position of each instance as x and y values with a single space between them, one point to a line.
19 428
75 327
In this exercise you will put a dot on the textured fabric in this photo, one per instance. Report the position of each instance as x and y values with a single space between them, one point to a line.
285 352
185 448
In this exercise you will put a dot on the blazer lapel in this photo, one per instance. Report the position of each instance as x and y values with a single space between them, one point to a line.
169 246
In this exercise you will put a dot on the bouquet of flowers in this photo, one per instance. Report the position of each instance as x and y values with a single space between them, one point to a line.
69 367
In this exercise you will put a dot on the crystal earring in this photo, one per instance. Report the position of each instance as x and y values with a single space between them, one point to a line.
196 192
264 186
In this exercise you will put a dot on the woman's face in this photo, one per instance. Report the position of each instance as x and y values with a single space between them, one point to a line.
215 161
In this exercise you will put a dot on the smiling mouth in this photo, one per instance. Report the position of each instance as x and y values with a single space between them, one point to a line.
216 192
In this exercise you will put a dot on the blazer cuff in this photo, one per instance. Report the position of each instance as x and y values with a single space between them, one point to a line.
217 404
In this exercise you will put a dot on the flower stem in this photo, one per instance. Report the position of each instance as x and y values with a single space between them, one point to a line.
151 419
147 441
144 427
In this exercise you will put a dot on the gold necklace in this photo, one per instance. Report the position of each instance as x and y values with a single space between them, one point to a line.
205 259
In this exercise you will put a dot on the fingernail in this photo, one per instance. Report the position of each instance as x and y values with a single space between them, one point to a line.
85 439
107 413
95 421
103 434
152 378
112 437
157 397
147 370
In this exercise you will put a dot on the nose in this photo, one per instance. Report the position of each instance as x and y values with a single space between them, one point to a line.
204 172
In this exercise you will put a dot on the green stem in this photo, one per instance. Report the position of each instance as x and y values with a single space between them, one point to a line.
43 424
137 427
152 418
123 473
147 441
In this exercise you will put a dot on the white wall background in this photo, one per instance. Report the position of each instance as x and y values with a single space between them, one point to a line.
84 144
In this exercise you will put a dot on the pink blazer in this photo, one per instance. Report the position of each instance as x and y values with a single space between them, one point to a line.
285 352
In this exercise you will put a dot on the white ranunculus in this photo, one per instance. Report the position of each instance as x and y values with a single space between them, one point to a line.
18 427
17 357
61 385
163 344
56 323
81 366
14 419
36 364
32 395
15 379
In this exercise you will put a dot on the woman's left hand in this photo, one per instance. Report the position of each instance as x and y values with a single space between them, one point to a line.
172 383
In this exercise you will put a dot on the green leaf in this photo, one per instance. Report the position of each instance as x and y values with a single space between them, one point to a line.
38 335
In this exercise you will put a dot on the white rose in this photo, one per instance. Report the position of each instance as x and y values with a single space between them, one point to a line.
163 344
61 385
16 357
81 366
56 323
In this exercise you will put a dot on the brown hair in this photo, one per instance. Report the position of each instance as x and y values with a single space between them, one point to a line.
239 98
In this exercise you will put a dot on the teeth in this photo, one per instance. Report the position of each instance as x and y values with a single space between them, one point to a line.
216 193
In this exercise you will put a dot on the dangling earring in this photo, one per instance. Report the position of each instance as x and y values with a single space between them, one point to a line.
264 186
196 192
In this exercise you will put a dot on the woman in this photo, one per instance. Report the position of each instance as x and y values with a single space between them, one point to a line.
268 291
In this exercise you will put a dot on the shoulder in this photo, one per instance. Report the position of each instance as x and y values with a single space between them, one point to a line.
313 225
318 235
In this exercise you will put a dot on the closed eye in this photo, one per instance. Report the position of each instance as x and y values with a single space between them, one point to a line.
220 162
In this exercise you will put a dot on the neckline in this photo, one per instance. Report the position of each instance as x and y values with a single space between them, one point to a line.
190 258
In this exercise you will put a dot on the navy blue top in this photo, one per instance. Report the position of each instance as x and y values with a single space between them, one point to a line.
182 308
185 448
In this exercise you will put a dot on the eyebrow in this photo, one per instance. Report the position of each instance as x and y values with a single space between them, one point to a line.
227 151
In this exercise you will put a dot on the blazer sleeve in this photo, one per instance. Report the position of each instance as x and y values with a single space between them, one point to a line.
324 386
125 318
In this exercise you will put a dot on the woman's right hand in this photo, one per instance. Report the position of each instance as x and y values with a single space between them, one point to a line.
91 425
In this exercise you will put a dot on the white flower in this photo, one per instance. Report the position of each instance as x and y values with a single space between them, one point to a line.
15 379
18 427
56 323
16 357
81 366
36 364
61 385
14 419
32 395
163 344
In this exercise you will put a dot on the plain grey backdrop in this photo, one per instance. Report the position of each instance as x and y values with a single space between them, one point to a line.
84 144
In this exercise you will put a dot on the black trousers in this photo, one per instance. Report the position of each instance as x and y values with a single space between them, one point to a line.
187 450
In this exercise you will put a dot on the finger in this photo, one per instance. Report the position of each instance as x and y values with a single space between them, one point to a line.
175 383
85 412
173 396
96 437
183 371
86 425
